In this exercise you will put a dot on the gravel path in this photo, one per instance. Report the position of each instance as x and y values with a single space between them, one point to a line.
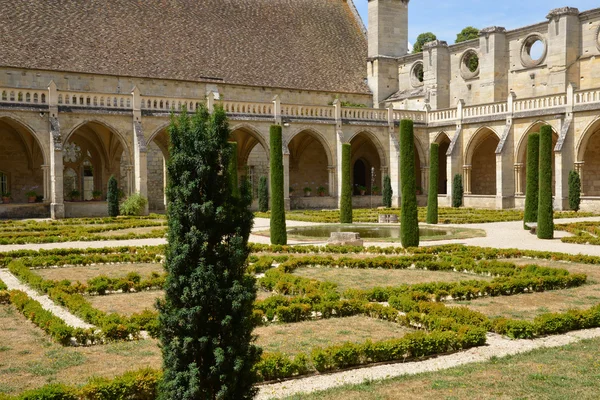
47 304
497 347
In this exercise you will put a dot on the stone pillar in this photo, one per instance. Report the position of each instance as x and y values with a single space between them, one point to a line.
563 48
518 180
454 155
57 201
579 168
394 167
424 180
339 140
140 151
331 182
46 176
467 179
493 64
286 177
436 68
564 154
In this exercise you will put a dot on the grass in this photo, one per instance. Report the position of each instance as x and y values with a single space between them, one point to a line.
369 278
83 274
569 372
298 337
126 303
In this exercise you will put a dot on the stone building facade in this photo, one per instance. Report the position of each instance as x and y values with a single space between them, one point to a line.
81 101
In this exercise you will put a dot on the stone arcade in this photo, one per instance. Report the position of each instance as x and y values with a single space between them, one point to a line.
82 100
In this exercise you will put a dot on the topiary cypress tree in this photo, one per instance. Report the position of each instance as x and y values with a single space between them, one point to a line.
233 171
457 191
263 194
545 226
112 197
346 200
387 191
434 175
206 316
574 190
278 229
409 220
532 182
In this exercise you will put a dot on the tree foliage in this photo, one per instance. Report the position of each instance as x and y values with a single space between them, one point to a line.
387 191
574 190
346 199
263 194
421 40
545 226
409 222
206 316
468 33
112 197
457 191
233 171
532 182
434 176
278 228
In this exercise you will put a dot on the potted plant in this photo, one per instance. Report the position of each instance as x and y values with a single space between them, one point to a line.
6 197
361 189
31 196
307 191
321 191
97 195
375 190
75 195
419 190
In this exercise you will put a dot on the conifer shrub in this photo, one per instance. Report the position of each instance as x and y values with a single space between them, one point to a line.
409 222
532 183
346 200
233 170
457 191
387 191
112 197
278 228
206 317
545 226
434 174
574 190
263 194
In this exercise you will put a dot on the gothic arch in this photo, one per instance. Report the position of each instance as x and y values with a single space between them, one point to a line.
22 125
480 135
255 134
481 156
376 142
588 132
316 134
108 126
588 159
522 145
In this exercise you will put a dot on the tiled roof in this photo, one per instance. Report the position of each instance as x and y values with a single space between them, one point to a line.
305 44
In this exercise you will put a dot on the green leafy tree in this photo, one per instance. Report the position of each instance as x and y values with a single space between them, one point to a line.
434 175
263 194
532 182
469 33
233 171
421 40
457 191
574 190
278 228
112 197
409 219
346 200
206 318
545 226
387 191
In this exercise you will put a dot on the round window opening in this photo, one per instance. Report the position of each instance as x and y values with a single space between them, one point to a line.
417 75
469 64
533 51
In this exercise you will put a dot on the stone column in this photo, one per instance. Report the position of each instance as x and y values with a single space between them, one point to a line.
332 186
579 168
57 201
518 181
46 176
424 180
140 150
467 179
394 167
165 182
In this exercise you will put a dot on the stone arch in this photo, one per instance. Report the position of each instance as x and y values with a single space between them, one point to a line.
22 157
108 126
376 142
367 158
588 159
521 156
481 157
310 158
443 140
157 155
252 153
318 135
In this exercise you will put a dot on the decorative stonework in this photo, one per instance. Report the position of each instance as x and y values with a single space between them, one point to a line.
465 71
435 43
558 12
492 29
416 74
529 41
55 131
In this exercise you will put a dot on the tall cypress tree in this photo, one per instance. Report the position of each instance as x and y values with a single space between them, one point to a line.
346 200
263 194
545 227
233 171
532 182
457 191
387 191
112 197
409 219
278 229
206 317
574 190
434 175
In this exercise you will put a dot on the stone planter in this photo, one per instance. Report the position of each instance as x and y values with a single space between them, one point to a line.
31 199
306 194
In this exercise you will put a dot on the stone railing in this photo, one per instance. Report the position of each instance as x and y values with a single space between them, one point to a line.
587 96
416 116
307 111
484 110
23 96
540 103
167 104
449 114
94 100
365 114
248 108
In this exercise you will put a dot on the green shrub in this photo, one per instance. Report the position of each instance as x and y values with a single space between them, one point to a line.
263 194
574 190
138 385
51 392
134 205
532 182
434 174
278 228
346 198
112 197
457 191
387 191
409 219
545 227
232 170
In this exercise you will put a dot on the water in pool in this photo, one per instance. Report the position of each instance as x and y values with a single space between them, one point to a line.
365 231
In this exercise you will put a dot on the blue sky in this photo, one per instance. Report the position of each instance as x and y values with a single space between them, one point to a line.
447 18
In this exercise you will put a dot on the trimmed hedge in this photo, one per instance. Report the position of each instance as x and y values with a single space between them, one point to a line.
574 190
457 191
346 198
387 191
532 182
112 197
278 228
434 175
545 226
409 221
263 194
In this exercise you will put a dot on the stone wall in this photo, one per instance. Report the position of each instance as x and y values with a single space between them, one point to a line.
156 182
21 165
591 171
483 170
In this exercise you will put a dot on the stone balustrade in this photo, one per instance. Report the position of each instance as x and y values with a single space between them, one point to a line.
94 100
587 96
168 104
449 114
248 108
540 103
484 110
365 114
22 96
308 111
